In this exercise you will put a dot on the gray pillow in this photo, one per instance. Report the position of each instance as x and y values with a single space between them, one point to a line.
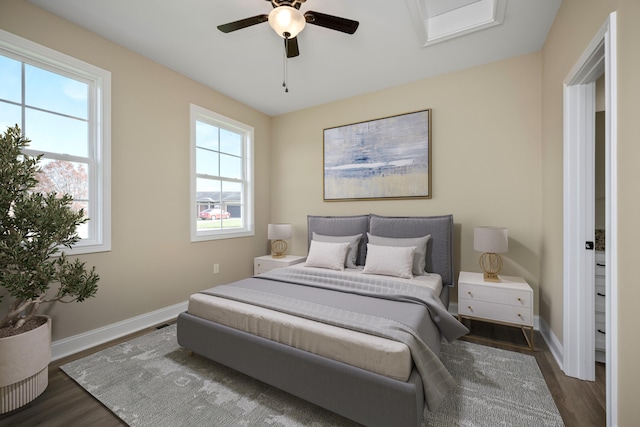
440 246
419 257
352 253
341 226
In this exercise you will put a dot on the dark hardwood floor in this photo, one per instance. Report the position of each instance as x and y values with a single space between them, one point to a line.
64 403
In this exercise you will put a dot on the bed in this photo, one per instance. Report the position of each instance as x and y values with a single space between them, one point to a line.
342 331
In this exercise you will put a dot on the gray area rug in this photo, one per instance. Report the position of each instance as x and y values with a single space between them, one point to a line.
151 381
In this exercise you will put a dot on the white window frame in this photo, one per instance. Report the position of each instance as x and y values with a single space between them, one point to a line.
201 114
99 123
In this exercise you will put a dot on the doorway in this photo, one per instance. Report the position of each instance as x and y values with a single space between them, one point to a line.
579 212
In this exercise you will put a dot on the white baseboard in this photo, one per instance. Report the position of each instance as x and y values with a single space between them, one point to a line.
554 344
68 346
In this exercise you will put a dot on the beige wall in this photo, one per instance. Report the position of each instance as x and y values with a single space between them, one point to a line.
629 209
152 265
575 26
486 158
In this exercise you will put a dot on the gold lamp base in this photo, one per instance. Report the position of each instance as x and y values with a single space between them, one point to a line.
491 277
491 264
279 249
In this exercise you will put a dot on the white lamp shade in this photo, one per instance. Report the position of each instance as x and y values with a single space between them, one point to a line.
490 239
286 19
279 231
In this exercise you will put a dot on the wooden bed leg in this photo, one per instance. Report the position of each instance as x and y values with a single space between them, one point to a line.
190 353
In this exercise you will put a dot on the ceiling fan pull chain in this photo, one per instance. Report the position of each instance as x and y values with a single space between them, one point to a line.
284 65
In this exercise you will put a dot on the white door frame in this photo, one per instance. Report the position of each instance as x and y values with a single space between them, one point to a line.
578 217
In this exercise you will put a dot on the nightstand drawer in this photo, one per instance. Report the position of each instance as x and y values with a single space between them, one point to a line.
493 311
263 265
259 270
267 263
495 295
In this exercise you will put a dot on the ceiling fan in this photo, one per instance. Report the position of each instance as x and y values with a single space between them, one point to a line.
287 21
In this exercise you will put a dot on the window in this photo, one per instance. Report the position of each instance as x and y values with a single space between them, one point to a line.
63 106
221 177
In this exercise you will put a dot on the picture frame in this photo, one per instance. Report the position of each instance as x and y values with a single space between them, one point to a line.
386 158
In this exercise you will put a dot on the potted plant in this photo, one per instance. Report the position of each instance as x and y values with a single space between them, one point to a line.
34 226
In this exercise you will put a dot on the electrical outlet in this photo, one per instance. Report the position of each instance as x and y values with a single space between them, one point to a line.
216 268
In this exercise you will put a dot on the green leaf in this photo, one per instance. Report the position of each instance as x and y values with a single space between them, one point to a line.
33 226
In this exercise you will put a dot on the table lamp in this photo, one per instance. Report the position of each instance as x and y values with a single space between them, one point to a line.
278 233
492 241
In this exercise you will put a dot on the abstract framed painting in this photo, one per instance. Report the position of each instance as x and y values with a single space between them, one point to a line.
388 158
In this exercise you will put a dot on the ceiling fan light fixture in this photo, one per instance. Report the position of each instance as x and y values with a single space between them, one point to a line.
286 21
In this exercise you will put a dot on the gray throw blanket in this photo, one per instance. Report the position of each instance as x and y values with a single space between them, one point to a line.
435 378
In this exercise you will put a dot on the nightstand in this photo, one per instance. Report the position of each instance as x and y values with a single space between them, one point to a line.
509 302
262 264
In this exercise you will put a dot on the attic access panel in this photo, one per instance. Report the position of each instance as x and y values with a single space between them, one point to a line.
436 21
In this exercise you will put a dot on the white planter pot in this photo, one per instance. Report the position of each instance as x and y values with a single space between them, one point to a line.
24 363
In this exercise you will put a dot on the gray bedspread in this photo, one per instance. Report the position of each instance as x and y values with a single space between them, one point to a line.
386 308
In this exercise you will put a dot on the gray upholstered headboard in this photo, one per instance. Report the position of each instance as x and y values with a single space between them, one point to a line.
439 248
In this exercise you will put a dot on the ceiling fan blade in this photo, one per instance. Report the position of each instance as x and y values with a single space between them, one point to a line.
243 23
332 22
292 47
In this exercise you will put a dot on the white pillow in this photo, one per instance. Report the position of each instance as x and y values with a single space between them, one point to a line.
420 257
327 255
352 253
394 261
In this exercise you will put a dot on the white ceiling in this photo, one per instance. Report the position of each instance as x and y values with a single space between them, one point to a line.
247 65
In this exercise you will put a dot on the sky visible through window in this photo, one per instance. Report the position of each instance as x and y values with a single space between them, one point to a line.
219 153
53 112
55 107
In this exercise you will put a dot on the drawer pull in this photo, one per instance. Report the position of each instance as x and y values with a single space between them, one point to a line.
601 294
519 299
470 294
601 331
470 308
520 316
601 265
